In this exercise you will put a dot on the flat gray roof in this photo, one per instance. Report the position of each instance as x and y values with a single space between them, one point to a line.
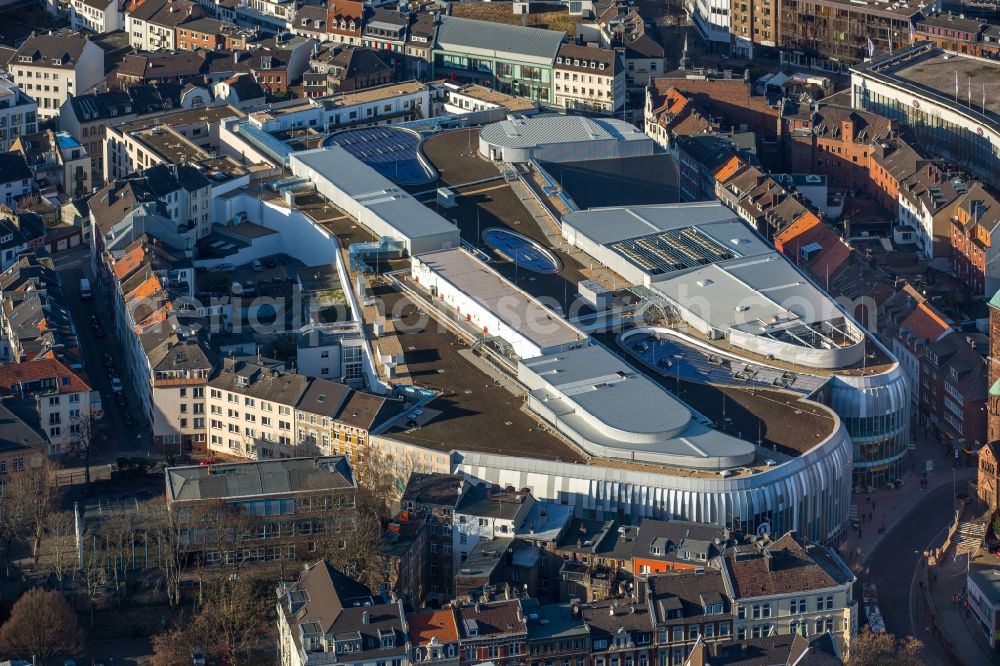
592 390
988 582
498 40
375 192
531 132
510 304
610 225
231 481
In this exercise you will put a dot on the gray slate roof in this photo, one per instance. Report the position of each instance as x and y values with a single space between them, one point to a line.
501 40
256 479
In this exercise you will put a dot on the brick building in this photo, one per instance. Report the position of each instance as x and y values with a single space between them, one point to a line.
832 140
988 481
993 371
435 496
974 241
958 33
953 393
205 33
495 631
674 545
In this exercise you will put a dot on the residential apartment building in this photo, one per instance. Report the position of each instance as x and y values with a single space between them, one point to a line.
58 162
975 221
494 631
621 631
589 78
486 513
344 69
35 319
687 608
16 179
57 398
556 633
953 393
51 69
406 557
246 513
325 617
674 545
251 410
333 419
152 24
344 21
18 113
834 141
207 33
790 586
434 497
21 446
99 16
433 637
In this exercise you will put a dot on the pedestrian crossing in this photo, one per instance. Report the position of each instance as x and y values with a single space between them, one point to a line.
969 537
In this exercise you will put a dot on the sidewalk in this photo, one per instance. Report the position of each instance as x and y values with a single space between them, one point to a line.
959 631
888 507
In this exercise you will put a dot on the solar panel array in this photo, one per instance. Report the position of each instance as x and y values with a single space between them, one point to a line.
673 250
390 151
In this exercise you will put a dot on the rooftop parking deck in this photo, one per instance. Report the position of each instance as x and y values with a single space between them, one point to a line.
476 414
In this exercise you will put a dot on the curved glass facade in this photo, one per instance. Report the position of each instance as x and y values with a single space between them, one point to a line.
875 410
810 493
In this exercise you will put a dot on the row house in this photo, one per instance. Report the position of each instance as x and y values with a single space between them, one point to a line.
493 631
53 68
211 34
434 497
386 32
621 633
924 326
57 399
252 410
953 392
336 69
833 141
36 322
165 363
760 199
674 545
85 117
974 224
157 67
434 637
152 24
404 554
790 586
325 617
589 78
97 16
926 200
58 162
622 27
557 634
344 19
18 113
688 608
254 513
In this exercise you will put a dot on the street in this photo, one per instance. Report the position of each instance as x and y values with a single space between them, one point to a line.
893 563
124 440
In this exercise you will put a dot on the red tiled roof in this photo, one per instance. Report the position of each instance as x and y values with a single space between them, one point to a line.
438 624
925 323
66 380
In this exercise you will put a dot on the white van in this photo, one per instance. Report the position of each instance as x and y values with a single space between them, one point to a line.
85 289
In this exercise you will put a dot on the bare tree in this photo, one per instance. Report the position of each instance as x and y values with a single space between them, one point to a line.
233 616
118 532
15 518
92 570
164 529
172 648
89 439
42 624
62 558
882 649
36 490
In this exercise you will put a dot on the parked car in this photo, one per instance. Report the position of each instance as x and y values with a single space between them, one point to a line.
109 361
197 657
257 266
116 385
120 399
223 267
269 262
126 418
